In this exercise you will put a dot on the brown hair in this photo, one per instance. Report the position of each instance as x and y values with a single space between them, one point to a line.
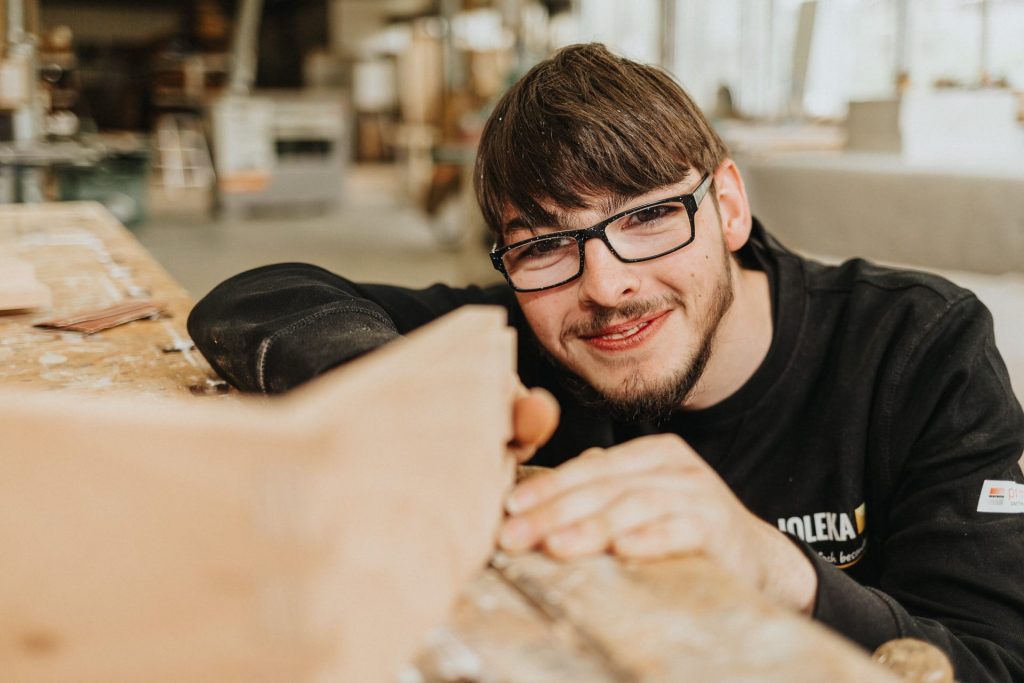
586 122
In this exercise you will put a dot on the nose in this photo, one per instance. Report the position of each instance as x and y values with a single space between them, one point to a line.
606 281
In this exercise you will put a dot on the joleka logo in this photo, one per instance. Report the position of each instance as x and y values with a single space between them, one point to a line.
1001 496
837 536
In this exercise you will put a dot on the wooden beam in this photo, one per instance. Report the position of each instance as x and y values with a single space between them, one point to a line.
314 537
532 619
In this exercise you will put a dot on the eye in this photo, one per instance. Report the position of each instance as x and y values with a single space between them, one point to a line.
543 248
540 254
659 218
653 213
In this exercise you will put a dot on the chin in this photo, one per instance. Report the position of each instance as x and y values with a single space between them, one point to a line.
645 392
630 376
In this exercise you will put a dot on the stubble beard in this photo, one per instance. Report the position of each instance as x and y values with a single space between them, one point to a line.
652 399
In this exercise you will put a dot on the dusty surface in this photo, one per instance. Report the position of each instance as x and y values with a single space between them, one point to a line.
89 261
530 619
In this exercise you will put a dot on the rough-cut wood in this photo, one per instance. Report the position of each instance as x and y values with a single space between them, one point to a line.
89 261
657 622
495 633
309 538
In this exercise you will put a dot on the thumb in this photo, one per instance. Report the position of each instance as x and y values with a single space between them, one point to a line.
534 419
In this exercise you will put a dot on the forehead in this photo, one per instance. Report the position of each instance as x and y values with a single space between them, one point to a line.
595 208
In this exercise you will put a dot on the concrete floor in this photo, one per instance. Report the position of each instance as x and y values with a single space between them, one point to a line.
377 235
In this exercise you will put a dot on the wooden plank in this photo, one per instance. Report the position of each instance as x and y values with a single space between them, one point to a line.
494 633
656 622
259 539
89 261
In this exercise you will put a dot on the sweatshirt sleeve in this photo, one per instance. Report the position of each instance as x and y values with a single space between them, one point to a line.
270 329
951 574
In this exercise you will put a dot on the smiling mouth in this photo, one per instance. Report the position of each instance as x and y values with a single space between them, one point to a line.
625 335
629 332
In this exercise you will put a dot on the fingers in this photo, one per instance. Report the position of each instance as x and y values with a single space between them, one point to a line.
646 454
664 538
588 519
651 498
525 531
627 518
587 537
588 504
535 415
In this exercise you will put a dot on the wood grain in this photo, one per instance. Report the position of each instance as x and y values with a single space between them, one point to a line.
660 622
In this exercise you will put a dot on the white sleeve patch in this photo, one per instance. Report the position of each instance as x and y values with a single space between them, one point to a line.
1001 496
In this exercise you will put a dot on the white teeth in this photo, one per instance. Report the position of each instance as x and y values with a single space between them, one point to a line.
625 333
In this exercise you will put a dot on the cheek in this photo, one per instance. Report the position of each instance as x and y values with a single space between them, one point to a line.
545 312
686 273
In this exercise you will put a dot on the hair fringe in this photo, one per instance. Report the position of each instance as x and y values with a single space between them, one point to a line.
584 124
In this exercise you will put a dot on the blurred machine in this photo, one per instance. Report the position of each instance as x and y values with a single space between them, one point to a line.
274 150
278 150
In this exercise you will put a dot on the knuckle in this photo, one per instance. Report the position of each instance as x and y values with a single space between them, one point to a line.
674 439
587 502
668 440
542 485
644 503
583 538
665 501
566 510
670 446
560 513
592 534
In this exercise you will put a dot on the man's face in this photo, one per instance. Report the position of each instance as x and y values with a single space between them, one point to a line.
639 334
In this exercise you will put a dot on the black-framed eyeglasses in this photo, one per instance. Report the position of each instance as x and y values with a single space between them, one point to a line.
639 234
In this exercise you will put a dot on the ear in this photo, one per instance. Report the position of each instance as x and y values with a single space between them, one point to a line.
733 206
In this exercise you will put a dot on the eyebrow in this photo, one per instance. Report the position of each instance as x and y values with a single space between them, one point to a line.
516 223
608 207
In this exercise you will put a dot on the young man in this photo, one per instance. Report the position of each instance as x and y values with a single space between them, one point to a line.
823 432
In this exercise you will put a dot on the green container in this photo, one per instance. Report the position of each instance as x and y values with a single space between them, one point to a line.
120 181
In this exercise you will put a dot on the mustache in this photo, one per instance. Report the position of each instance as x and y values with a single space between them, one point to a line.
602 317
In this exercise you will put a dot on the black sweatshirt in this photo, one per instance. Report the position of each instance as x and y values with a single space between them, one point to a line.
879 420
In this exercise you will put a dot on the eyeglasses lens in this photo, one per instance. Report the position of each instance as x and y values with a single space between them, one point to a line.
643 234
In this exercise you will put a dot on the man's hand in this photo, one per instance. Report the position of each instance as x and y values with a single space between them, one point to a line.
534 419
654 497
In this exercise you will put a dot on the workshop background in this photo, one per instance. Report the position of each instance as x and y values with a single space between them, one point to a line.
229 134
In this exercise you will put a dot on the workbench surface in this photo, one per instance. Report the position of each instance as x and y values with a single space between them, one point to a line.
89 261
